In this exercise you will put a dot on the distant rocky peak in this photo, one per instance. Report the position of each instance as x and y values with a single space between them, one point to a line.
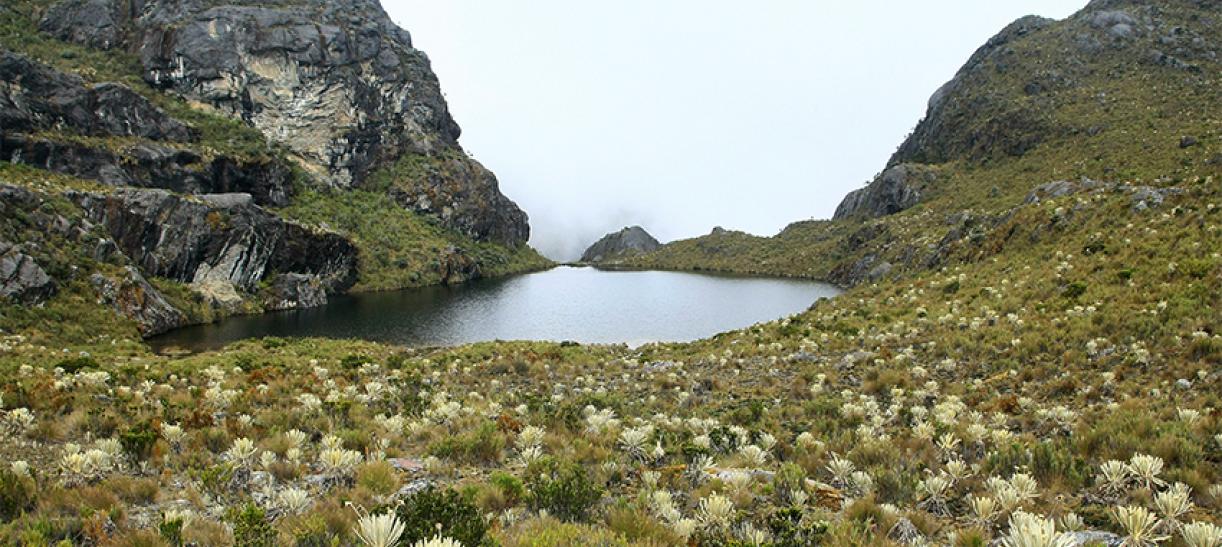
630 241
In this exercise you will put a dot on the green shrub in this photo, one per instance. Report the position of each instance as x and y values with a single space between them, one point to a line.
564 491
458 518
790 527
73 365
17 494
250 526
510 486
1074 290
171 531
138 441
483 446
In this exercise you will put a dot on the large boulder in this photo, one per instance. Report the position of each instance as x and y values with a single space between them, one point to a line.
293 290
214 239
464 196
21 278
895 190
134 298
455 266
628 242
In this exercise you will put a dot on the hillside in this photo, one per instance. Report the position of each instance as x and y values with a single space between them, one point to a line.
1028 354
1121 92
317 124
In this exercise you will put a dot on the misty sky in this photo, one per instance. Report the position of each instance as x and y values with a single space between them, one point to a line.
681 115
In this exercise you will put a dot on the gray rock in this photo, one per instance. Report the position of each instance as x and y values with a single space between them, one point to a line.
21 278
233 242
96 23
34 97
896 189
336 82
455 266
1106 539
462 195
905 533
859 271
1148 197
412 488
1109 19
294 291
134 298
628 242
882 270
947 131
1061 188
1187 141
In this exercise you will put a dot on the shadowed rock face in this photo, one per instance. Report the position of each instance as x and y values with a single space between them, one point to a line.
133 297
21 278
336 82
35 97
217 239
628 242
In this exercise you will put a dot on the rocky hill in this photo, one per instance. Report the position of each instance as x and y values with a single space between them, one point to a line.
240 156
616 246
1121 94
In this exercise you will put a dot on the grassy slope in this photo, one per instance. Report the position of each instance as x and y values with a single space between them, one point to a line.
1065 345
400 249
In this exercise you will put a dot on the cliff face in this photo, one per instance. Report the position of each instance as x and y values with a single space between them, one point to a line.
630 241
337 83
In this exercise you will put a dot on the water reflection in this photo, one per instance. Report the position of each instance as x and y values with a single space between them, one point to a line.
580 304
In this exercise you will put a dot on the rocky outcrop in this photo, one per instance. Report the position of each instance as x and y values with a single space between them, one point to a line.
894 190
21 278
220 239
36 97
338 83
630 241
464 196
955 124
293 290
153 166
134 298
456 266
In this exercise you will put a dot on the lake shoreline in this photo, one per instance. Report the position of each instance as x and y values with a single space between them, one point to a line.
562 303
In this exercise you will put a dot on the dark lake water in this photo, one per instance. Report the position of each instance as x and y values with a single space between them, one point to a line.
579 304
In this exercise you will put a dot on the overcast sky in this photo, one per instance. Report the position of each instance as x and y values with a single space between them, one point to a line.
682 115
